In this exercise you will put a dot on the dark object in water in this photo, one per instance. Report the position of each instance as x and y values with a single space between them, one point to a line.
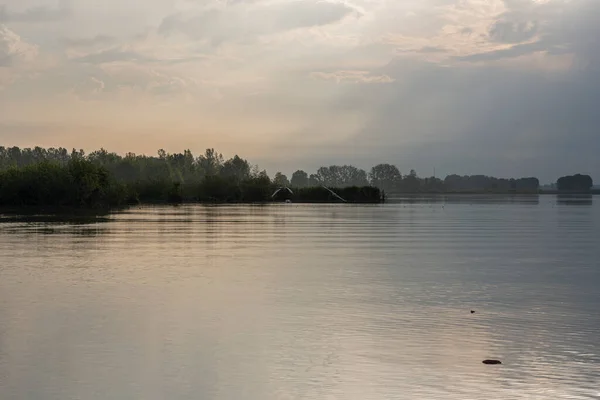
492 362
472 312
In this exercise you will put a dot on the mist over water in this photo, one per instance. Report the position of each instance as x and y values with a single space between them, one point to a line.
305 301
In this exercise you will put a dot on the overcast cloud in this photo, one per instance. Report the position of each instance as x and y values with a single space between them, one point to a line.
501 87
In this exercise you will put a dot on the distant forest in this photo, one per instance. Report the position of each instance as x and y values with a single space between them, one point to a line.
38 175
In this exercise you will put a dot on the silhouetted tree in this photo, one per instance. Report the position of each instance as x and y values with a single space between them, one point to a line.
431 185
411 182
386 177
313 180
576 182
79 183
342 176
210 162
456 183
299 179
281 180
236 168
181 176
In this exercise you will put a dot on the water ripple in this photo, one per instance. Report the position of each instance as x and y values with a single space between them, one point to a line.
305 302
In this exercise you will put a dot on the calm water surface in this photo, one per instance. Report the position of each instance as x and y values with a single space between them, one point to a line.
305 302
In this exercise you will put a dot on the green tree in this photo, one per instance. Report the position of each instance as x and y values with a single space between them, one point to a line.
299 179
313 180
342 176
576 182
281 180
211 162
411 182
386 177
236 168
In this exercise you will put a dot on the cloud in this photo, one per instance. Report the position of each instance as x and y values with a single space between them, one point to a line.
554 27
13 50
422 50
36 14
511 52
431 49
465 119
351 77
115 54
505 87
98 40
115 79
218 25
513 31
89 88
127 54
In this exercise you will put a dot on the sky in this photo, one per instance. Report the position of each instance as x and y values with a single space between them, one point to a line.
508 88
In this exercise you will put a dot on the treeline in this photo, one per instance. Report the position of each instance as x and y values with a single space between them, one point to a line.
76 183
186 168
57 177
481 182
388 178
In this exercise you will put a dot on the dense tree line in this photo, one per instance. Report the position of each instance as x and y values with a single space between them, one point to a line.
58 177
211 177
575 183
481 182
388 178
76 183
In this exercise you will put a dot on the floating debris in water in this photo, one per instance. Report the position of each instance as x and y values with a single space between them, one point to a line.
492 362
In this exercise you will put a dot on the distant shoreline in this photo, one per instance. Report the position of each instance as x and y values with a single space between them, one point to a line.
495 193
593 192
87 211
53 177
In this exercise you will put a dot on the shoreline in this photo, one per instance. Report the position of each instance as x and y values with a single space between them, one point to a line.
473 193
99 211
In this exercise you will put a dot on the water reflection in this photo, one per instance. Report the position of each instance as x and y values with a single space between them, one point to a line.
532 199
56 219
83 224
574 199
298 301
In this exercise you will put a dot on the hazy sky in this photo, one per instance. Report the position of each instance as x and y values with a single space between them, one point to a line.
501 87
